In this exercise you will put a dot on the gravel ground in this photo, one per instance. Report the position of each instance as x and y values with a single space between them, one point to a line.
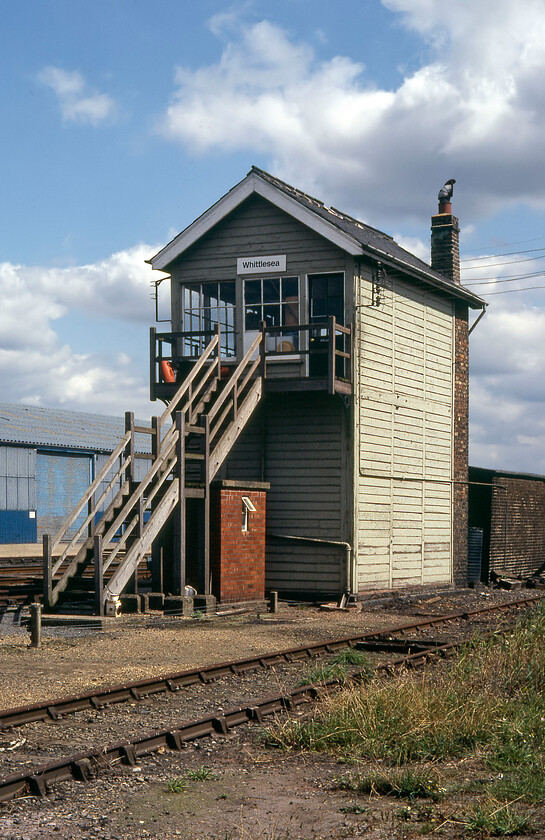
76 660
251 793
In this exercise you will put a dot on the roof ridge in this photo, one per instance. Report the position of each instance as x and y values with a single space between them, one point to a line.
332 210
362 225
287 187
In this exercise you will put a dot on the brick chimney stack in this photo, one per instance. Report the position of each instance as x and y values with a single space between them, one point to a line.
445 236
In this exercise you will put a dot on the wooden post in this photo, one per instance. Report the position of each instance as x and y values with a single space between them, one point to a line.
157 568
35 626
99 575
350 363
47 571
331 354
131 587
178 560
218 351
262 351
152 364
155 438
129 449
156 547
204 584
91 503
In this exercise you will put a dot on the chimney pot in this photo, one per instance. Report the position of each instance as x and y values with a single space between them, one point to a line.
445 244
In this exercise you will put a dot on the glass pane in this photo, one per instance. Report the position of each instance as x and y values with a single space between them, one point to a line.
252 291
194 297
335 307
271 291
210 294
290 313
318 308
228 343
253 317
287 342
271 315
290 288
230 317
227 292
335 285
318 286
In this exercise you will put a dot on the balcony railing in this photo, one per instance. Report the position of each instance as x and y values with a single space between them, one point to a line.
314 356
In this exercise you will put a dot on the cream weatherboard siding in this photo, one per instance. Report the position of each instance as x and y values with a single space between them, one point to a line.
403 465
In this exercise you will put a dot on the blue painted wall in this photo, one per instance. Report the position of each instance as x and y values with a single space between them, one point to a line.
16 526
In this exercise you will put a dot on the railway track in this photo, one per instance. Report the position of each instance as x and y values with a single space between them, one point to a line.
69 716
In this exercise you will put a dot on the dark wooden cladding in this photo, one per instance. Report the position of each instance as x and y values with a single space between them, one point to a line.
256 224
305 440
510 508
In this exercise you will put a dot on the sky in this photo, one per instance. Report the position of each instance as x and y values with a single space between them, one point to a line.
123 120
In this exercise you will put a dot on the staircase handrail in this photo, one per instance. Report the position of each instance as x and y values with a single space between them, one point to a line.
102 473
188 381
140 489
128 506
91 515
167 454
235 376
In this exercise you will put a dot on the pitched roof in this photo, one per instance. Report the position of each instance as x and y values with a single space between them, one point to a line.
348 233
60 429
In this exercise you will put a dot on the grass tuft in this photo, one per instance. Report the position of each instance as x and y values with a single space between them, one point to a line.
406 784
490 701
339 667
497 820
179 784
200 774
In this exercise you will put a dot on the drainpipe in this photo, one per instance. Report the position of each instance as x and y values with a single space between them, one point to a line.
351 585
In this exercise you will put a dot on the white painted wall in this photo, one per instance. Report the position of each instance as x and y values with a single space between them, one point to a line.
403 417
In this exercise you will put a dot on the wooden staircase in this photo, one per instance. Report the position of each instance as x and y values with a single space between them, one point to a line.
125 517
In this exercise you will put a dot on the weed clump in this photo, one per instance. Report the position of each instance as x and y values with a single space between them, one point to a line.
489 701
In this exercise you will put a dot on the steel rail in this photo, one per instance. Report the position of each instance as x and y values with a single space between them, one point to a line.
137 690
36 781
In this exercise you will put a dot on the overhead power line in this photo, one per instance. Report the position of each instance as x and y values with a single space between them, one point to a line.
508 244
506 254
507 291
497 265
486 280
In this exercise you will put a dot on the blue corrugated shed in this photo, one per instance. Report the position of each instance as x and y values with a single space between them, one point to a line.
48 457
52 427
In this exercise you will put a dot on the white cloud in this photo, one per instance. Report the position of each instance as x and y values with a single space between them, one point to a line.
475 111
78 104
507 374
38 366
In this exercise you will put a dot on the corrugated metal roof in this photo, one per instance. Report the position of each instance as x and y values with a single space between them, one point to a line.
53 427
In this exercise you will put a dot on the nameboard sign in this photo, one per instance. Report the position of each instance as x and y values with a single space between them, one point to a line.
260 265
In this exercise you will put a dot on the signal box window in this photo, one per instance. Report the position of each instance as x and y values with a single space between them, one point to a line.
205 306
276 302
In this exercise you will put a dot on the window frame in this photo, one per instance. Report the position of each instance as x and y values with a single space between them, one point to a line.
284 302
202 309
